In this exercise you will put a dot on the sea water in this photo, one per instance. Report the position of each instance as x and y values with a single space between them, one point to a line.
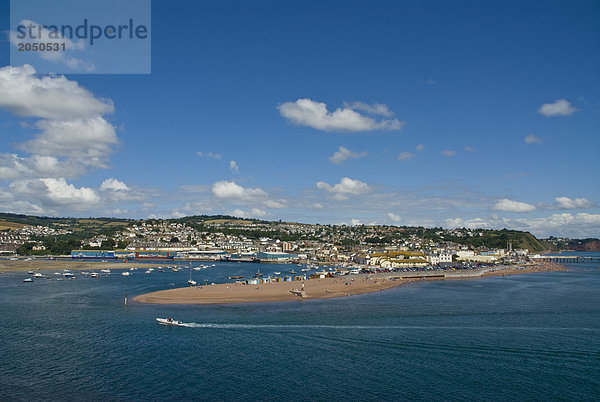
531 336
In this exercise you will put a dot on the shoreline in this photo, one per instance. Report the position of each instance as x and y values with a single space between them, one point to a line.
341 286
73 265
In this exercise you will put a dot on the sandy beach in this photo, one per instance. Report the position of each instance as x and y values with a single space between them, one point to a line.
74 265
348 285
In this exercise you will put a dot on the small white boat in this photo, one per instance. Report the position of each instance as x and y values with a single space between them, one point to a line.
68 274
94 275
38 275
27 280
148 271
191 282
168 321
105 271
126 273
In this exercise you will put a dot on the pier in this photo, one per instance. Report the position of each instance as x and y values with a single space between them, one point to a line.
568 259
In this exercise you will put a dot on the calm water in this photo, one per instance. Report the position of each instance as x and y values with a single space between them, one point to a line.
508 338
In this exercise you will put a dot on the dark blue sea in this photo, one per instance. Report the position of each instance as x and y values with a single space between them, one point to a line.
522 337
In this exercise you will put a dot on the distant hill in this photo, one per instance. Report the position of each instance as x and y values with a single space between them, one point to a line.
84 228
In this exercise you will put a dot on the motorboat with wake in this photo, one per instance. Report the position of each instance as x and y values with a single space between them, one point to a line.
169 321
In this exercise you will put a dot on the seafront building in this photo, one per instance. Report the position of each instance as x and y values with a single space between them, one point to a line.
384 247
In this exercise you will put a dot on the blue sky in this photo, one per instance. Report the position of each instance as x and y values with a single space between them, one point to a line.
467 113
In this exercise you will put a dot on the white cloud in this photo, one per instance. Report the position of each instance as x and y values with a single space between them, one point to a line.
568 203
394 217
565 224
46 36
559 108
233 166
253 213
275 203
47 97
406 155
420 147
113 184
532 139
13 166
231 190
55 193
375 108
345 186
209 155
469 223
71 124
570 225
448 152
344 153
355 222
513 206
314 114
89 141
469 149
73 137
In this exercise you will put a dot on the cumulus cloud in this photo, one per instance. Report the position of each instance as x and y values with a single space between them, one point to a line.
448 152
375 108
469 149
559 108
565 224
253 213
406 155
420 147
89 141
55 194
568 203
114 185
532 139
467 223
345 186
355 222
275 203
47 97
394 217
72 125
233 166
232 190
513 206
72 137
307 112
13 166
344 153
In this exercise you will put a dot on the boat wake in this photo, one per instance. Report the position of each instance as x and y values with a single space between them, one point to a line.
368 327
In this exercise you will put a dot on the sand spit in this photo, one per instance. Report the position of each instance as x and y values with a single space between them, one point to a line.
348 285
74 265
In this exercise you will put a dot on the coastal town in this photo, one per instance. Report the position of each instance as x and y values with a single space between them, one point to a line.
232 239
